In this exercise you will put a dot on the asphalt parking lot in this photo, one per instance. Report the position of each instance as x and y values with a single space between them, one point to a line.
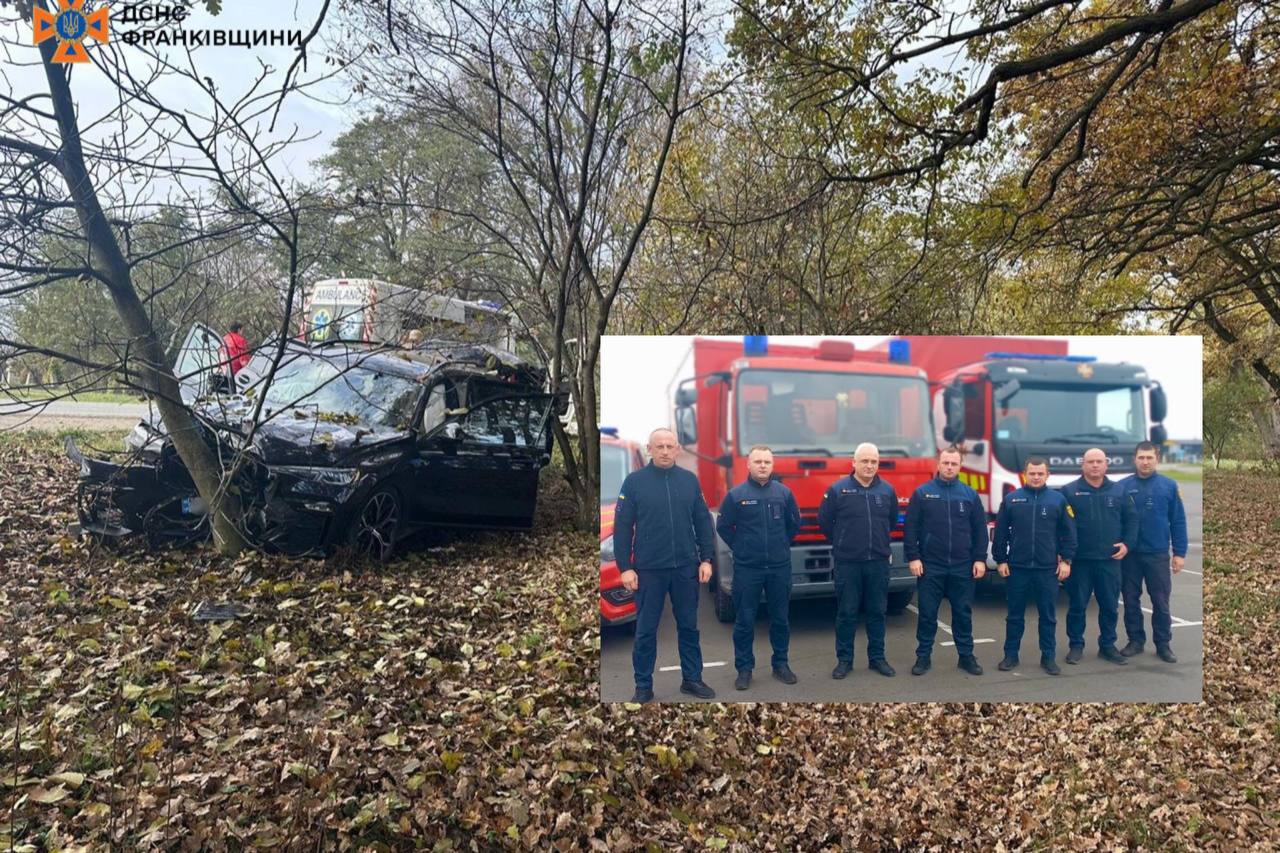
1145 679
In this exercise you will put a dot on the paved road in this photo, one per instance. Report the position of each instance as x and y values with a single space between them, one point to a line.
1144 679
62 414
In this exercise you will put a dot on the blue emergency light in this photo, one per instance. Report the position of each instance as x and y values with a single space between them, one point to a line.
1037 356
609 431
900 351
755 344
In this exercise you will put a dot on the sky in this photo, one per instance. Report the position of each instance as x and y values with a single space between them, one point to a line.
638 375
330 109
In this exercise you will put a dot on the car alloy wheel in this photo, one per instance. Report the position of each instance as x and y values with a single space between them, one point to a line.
375 528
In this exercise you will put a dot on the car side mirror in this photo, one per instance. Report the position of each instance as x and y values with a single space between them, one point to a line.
1159 404
686 426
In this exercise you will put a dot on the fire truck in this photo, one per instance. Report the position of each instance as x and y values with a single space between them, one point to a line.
618 458
1004 399
812 405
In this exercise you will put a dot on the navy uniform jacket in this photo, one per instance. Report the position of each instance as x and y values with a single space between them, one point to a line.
857 518
946 524
1161 516
662 516
1104 516
758 523
1033 528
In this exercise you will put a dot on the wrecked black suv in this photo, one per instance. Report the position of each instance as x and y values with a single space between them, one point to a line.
357 447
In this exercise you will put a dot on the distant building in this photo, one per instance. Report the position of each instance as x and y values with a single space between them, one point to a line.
1184 450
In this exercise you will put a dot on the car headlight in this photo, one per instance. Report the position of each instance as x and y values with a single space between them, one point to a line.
317 481
606 550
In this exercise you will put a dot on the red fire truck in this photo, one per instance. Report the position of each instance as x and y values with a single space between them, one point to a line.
812 405
1004 399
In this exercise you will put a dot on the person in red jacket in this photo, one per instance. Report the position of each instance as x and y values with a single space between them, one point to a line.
235 349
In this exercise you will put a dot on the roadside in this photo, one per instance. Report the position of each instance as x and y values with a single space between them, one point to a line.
70 414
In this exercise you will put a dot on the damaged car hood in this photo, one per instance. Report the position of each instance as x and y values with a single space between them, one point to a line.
292 437
297 438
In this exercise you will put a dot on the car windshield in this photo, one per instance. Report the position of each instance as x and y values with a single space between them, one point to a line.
1068 413
826 413
359 393
613 470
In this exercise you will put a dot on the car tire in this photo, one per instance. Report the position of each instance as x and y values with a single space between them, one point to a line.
898 601
725 611
376 525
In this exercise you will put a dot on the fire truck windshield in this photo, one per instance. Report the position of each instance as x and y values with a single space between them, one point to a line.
828 413
1068 413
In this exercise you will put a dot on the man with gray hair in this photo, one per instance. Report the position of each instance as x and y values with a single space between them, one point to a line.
1106 530
663 542
856 515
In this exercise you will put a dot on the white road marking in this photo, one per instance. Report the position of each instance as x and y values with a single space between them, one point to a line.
1177 621
943 625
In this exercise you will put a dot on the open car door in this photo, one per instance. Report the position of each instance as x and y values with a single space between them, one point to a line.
202 370
197 367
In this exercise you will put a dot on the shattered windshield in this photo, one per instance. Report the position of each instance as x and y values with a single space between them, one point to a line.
358 394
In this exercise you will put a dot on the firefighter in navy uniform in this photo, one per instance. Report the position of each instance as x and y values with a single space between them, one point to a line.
663 542
1035 542
856 515
1162 523
1106 527
945 544
758 519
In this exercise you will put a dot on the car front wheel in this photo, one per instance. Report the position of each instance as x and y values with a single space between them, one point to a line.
376 526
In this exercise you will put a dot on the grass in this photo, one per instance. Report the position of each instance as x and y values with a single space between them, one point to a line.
1184 475
51 440
1238 465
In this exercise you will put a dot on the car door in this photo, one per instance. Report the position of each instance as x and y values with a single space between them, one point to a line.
197 366
480 468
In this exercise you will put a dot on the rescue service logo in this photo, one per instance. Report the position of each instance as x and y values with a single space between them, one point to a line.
69 26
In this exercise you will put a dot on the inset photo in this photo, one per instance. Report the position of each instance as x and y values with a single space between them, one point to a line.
901 519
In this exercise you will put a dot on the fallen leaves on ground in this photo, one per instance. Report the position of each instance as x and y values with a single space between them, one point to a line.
451 702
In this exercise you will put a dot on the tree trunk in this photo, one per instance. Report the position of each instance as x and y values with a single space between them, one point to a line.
1266 416
156 376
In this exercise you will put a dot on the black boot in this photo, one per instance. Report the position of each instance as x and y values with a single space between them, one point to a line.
970 665
1133 648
